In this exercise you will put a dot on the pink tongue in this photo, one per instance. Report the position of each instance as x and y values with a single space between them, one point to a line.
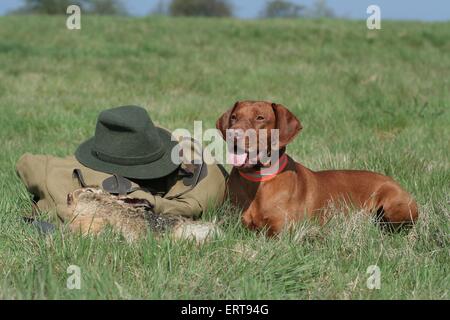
236 159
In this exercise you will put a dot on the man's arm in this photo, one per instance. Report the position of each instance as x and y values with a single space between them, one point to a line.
209 192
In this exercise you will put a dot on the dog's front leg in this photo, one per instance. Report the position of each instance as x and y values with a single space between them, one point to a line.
251 218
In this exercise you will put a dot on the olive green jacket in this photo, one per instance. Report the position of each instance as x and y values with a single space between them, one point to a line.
49 179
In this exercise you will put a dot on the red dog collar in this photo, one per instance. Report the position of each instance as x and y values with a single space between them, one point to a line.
268 173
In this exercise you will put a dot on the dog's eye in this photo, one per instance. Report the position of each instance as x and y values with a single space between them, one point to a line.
259 118
233 117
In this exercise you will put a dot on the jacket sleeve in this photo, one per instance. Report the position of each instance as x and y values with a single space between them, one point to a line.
208 193
184 205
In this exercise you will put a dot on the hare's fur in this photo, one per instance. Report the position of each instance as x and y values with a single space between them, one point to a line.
93 209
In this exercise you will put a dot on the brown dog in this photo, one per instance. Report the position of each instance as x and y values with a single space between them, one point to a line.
274 195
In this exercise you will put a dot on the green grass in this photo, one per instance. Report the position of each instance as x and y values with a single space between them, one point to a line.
376 100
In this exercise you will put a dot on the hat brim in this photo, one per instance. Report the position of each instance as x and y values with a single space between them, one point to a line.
158 169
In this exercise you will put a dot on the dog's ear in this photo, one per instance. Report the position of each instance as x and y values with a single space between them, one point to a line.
287 124
223 123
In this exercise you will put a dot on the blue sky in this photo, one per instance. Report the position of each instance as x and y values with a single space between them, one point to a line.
426 10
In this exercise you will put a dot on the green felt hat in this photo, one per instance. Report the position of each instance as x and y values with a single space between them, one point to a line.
127 143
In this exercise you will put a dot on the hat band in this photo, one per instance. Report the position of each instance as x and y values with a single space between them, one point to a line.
129 161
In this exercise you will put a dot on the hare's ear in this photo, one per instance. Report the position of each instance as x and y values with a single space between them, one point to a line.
223 123
287 124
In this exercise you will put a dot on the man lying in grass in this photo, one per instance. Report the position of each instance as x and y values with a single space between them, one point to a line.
129 157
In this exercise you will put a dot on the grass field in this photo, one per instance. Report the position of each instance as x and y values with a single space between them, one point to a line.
377 100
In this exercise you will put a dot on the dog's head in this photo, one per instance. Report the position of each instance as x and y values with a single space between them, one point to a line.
253 128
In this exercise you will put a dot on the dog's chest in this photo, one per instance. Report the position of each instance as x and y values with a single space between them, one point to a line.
244 193
240 191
